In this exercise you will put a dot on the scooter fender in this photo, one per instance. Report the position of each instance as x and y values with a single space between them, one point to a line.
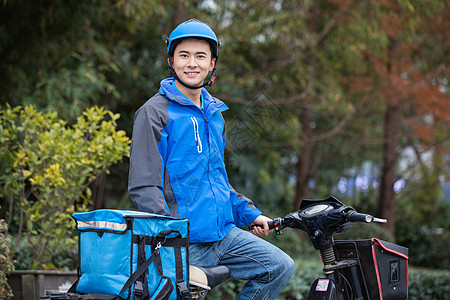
324 289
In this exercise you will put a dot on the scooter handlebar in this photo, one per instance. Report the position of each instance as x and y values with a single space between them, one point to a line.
353 216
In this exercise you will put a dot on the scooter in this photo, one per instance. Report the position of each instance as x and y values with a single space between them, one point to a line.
357 269
369 269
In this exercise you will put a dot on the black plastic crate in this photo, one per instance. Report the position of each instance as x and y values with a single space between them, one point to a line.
383 267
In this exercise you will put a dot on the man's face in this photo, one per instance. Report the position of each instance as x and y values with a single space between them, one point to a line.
192 61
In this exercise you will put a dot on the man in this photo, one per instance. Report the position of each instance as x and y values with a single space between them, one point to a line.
177 168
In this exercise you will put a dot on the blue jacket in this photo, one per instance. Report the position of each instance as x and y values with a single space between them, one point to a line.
177 165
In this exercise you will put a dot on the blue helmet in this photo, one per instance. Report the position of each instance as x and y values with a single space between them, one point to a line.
193 28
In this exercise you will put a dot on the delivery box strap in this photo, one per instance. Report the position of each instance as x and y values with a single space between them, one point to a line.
142 269
176 242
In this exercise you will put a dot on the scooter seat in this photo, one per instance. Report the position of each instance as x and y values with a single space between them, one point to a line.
208 277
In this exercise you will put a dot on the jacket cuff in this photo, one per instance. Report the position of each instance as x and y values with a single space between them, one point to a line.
251 216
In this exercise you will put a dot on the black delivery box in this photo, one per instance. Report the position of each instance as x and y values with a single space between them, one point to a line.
383 267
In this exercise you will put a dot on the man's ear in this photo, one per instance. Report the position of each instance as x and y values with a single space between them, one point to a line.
213 64
168 61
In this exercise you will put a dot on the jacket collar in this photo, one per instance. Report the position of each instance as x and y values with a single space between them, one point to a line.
169 91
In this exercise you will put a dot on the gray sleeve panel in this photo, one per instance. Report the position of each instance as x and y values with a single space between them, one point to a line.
145 184
224 133
242 197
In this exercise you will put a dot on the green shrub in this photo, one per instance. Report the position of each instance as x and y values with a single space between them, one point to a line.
427 284
306 271
428 248
64 256
6 264
291 243
47 169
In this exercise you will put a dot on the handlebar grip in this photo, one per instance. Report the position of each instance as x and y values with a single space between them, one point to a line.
354 216
274 224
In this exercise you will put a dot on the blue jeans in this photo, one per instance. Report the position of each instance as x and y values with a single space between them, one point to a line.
266 267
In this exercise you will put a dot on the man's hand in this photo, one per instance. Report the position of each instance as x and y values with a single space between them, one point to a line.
262 221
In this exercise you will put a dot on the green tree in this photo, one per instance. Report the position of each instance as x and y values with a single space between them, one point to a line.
66 56
405 83
319 87
306 71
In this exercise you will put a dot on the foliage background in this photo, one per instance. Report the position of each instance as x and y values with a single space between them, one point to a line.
341 97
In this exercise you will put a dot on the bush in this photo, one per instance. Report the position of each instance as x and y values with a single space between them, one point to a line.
428 248
427 284
47 169
306 271
64 256
6 264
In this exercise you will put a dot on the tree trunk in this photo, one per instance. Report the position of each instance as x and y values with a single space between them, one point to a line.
304 163
386 203
387 194
180 13
304 158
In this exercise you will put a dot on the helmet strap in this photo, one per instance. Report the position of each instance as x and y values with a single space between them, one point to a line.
211 80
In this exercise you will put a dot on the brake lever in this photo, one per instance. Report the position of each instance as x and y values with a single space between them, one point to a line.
378 220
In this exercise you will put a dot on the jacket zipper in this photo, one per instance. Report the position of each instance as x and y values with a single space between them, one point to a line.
196 135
